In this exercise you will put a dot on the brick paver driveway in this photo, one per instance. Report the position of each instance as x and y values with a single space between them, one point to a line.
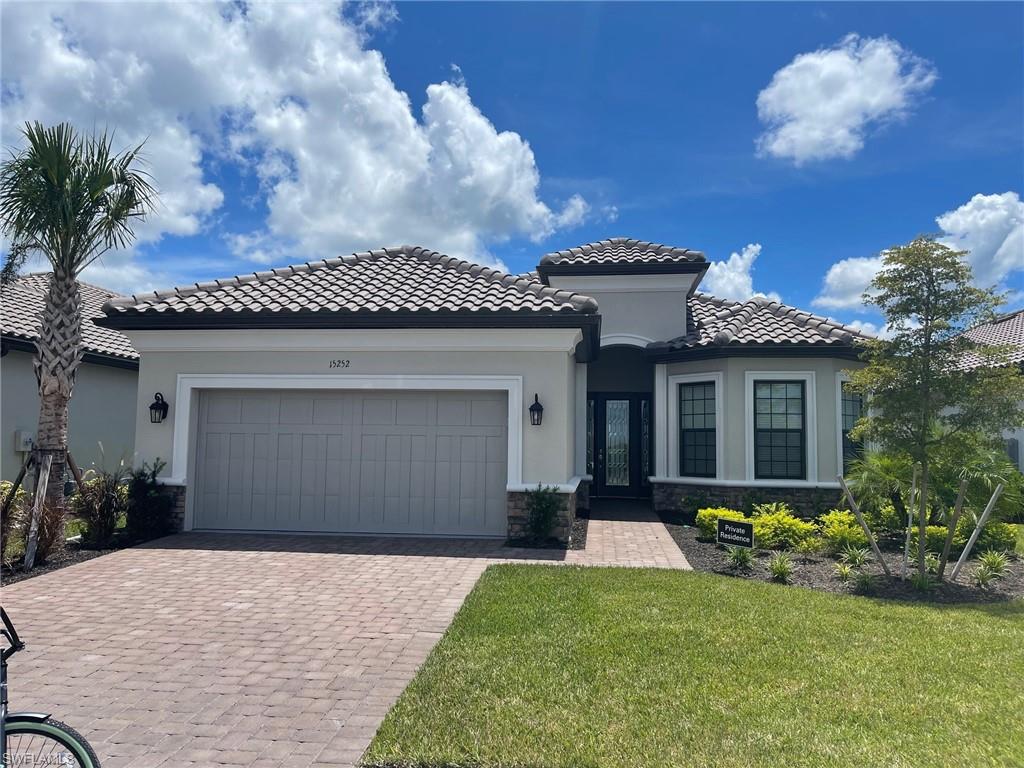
220 649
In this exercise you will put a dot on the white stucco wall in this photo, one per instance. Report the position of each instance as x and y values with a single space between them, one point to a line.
823 462
103 410
547 368
642 307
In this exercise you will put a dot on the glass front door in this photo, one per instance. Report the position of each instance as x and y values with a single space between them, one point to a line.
619 448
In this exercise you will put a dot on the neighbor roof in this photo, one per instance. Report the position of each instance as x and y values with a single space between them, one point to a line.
719 326
1004 331
621 254
402 287
21 304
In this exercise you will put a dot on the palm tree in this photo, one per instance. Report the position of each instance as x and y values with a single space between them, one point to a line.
70 199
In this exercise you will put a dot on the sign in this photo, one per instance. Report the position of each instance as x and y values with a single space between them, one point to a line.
735 533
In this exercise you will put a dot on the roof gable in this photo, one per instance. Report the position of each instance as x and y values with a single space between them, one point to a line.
21 304
622 255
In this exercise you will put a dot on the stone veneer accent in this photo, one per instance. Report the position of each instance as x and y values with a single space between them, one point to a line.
177 492
806 502
518 518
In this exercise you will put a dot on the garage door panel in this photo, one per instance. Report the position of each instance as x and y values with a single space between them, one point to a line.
409 462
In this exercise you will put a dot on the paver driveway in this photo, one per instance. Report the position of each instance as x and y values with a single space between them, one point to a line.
220 649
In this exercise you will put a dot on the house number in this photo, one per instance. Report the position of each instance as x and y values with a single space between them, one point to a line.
339 363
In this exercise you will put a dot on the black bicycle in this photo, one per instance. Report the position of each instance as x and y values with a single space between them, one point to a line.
29 739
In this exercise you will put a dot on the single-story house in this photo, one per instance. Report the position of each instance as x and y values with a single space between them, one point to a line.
102 402
1005 331
399 391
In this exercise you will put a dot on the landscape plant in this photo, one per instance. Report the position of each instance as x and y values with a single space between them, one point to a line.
740 558
856 557
781 530
101 504
920 396
707 520
844 572
543 505
149 511
780 567
67 199
840 530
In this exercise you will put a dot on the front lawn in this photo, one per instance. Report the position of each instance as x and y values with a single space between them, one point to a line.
558 666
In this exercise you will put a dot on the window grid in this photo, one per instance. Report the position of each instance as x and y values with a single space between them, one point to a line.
697 438
852 405
779 439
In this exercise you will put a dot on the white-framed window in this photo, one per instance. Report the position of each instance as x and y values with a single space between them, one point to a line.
781 427
695 425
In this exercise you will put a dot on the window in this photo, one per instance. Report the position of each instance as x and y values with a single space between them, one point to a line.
851 405
697 430
779 435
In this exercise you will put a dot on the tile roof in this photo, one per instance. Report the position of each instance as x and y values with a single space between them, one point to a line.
623 250
393 280
1004 331
720 323
21 303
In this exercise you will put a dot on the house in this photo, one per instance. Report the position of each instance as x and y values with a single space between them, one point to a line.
403 391
1005 331
102 404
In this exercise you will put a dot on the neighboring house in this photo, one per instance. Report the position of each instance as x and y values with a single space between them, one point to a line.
1004 331
390 391
103 401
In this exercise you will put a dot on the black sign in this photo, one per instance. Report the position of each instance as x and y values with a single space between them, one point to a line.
735 533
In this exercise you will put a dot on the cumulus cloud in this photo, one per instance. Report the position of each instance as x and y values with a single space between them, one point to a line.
989 227
733 278
822 104
291 94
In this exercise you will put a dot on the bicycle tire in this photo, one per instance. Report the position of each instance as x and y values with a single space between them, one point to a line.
54 731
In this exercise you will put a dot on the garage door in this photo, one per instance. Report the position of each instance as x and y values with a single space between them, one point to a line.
352 462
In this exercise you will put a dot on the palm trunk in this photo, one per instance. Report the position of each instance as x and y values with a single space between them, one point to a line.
58 354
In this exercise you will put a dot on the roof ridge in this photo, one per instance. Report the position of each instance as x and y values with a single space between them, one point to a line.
578 300
659 249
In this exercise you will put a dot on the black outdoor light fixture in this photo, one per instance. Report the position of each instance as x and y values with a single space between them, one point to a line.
158 409
536 411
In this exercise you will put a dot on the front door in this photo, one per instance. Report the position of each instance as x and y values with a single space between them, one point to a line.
620 436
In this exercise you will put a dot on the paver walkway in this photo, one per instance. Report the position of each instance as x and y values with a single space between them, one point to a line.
225 649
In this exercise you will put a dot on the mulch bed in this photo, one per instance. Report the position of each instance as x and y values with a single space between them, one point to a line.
577 537
818 572
71 555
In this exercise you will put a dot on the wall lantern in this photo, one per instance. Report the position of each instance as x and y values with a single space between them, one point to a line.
158 409
536 411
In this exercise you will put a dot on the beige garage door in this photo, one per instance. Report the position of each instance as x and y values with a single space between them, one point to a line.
352 462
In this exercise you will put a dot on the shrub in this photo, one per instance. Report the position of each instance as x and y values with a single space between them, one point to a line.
923 583
781 568
840 531
741 558
149 511
12 524
884 520
996 536
707 520
542 507
844 572
50 534
855 557
863 583
101 505
781 530
985 576
809 546
935 538
771 508
994 561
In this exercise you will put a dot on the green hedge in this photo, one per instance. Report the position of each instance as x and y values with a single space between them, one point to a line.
841 531
707 520
781 530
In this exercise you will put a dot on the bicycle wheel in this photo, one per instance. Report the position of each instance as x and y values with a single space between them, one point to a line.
47 743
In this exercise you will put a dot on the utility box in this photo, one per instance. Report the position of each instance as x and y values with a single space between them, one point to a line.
24 440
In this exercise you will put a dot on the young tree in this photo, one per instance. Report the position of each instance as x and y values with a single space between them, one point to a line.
69 199
921 396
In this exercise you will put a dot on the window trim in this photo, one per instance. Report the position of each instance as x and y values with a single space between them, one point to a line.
711 377
679 427
810 425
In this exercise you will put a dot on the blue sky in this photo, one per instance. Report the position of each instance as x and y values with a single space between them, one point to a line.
535 127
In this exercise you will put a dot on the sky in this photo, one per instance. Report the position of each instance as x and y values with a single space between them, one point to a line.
791 143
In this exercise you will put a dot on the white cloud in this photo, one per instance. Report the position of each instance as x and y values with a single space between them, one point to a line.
733 278
822 104
846 281
990 227
883 331
291 93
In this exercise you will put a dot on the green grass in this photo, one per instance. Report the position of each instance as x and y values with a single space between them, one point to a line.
556 666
